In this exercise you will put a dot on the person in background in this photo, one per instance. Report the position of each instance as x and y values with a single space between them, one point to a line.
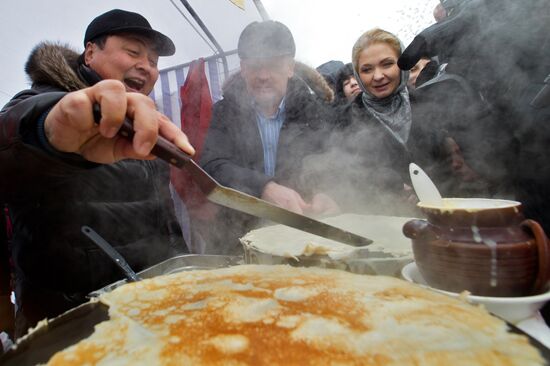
63 167
439 13
329 70
346 86
267 122
415 71
385 97
370 144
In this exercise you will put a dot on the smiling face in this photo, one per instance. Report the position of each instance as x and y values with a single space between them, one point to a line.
378 70
267 79
129 58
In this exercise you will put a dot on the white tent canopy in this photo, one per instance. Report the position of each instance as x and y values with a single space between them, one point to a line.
24 23
323 29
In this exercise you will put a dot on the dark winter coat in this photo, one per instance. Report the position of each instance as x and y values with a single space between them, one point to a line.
51 196
233 152
447 107
500 50
373 165
369 165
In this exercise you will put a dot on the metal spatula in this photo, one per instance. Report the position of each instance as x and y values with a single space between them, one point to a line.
238 200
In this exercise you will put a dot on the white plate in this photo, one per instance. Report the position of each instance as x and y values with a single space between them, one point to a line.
512 309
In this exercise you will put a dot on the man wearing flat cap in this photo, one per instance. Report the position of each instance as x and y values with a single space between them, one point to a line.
62 169
268 121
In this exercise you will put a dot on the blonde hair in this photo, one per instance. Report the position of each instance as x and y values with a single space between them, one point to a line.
373 36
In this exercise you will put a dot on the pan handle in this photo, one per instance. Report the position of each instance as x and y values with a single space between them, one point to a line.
111 252
543 249
418 229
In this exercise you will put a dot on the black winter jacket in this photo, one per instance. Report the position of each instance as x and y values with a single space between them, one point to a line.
233 152
369 165
50 197
373 165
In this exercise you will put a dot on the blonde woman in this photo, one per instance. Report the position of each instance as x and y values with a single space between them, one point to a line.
372 156
383 137
385 95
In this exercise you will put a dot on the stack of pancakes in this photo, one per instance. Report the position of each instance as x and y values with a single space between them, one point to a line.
282 315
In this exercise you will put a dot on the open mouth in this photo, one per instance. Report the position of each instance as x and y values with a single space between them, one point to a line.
133 84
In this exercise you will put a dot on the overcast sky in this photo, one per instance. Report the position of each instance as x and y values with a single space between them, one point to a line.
324 29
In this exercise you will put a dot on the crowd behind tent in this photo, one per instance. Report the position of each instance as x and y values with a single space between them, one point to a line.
467 100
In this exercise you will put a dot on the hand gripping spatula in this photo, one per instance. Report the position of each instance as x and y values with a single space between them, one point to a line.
237 200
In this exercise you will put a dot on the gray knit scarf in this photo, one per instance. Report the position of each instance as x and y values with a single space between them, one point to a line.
393 111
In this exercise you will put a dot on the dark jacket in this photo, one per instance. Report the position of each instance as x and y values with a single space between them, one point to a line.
233 152
370 166
374 166
50 196
446 107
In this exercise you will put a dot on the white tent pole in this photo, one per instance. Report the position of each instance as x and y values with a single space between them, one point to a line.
208 34
261 9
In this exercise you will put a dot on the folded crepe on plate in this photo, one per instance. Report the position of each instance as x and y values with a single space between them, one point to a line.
385 231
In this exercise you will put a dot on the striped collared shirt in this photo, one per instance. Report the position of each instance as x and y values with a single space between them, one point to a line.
269 128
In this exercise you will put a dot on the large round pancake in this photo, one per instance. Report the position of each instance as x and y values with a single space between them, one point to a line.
282 315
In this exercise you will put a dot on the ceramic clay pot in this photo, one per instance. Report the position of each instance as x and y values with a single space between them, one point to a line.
483 246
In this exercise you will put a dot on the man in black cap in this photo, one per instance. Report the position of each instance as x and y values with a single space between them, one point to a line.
61 170
267 123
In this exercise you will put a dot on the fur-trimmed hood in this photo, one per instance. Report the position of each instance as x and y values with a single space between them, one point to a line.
311 77
315 81
54 64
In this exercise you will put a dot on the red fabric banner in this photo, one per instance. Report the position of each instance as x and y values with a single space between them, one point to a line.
196 112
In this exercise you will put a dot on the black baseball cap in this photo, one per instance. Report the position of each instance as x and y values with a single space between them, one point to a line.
266 39
122 21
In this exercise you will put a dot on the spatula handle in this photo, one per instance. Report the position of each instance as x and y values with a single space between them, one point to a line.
163 149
